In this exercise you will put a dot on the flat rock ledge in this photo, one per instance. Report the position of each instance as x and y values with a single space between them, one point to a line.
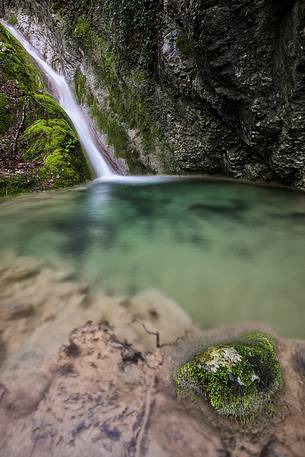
104 398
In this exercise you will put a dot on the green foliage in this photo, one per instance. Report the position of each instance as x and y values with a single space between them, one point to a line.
239 379
81 28
82 31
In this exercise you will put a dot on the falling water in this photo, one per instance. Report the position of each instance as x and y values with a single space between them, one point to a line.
68 102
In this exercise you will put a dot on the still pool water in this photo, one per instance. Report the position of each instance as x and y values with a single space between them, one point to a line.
224 251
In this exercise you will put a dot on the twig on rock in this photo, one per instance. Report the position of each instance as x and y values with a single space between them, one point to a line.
156 334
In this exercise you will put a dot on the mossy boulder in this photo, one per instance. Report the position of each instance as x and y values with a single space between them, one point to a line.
239 379
54 145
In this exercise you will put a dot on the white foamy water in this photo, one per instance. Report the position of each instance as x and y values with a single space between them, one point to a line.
67 101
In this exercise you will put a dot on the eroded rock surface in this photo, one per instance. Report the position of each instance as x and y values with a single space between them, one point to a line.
40 306
110 391
103 397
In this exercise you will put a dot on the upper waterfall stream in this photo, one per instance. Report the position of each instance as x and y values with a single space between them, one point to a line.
67 101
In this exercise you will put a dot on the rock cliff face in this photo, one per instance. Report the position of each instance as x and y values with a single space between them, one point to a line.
186 86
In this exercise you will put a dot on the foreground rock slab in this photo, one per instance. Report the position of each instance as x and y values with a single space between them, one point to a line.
104 398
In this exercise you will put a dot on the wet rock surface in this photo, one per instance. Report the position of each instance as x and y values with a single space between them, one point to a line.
190 87
94 401
109 391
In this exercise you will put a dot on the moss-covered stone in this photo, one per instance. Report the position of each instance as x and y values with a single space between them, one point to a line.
54 145
239 379
120 67
19 183
38 146
15 64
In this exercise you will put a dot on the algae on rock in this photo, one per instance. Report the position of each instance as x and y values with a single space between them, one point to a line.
239 379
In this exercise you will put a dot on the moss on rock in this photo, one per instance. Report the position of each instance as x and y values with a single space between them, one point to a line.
239 379
123 110
123 73
38 146
19 183
55 146
15 64
5 117
12 20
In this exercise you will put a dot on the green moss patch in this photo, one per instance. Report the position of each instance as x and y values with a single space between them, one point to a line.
38 146
54 145
5 117
12 20
15 64
19 183
238 379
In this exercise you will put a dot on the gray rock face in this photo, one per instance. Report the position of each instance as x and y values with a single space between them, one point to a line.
249 78
222 82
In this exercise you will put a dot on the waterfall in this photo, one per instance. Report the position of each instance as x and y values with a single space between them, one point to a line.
67 101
